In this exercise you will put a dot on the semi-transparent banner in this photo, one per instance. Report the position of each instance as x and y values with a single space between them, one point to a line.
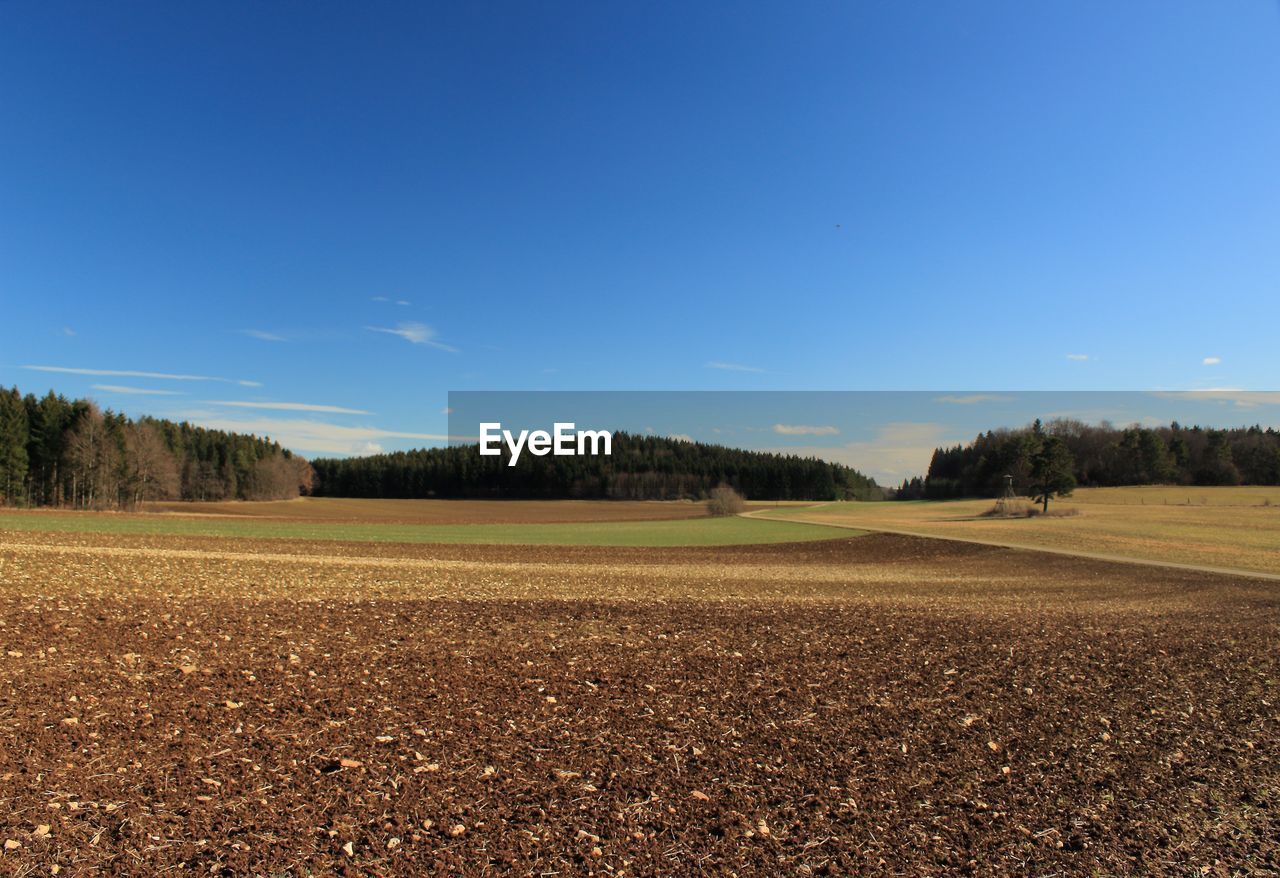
888 435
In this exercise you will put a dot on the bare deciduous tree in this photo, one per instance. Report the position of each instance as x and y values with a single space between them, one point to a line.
278 478
150 467
93 459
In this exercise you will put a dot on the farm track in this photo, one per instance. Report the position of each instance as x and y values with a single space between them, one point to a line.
881 704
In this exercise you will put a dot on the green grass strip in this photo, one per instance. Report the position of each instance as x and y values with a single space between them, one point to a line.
686 532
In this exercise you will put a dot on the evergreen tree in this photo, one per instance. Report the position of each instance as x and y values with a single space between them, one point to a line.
1051 471
13 446
1104 455
55 451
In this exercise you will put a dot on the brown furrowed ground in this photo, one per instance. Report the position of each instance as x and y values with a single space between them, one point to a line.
875 705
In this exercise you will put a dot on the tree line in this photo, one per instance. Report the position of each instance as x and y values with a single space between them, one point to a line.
1102 455
60 452
639 468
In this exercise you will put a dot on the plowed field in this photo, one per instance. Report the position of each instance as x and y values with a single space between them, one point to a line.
874 705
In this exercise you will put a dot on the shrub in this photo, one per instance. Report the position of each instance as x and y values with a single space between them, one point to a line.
1018 507
1010 507
725 501
1054 513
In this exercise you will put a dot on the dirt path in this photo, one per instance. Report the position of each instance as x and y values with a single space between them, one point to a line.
1028 547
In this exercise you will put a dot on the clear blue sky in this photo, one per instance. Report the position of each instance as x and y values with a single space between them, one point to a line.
860 195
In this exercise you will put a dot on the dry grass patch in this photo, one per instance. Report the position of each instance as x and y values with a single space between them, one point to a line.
1231 530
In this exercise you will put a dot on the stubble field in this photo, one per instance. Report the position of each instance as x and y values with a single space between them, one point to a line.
1237 528
878 705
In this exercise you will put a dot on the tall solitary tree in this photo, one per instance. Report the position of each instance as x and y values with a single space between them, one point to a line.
1052 470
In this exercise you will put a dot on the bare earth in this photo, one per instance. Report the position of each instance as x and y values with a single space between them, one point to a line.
876 705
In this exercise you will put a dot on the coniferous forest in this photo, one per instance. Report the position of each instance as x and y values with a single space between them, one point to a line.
639 468
1102 456
60 452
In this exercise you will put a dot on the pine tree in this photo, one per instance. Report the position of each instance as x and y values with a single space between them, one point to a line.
13 445
1052 470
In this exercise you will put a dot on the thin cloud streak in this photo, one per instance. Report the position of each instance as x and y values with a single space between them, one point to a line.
310 436
130 373
415 333
732 367
972 399
1245 399
804 430
262 335
287 406
141 391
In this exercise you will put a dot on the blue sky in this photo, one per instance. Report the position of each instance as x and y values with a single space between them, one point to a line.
349 210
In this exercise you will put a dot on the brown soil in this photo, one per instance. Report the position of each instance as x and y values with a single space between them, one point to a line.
879 705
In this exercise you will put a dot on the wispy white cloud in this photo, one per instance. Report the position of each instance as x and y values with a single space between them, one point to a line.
263 335
732 367
1211 361
680 437
129 373
68 331
804 430
140 391
309 436
1079 358
972 399
403 302
379 299
287 406
1245 399
416 333
898 451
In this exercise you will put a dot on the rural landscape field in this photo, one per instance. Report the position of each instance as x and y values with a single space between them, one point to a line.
250 690
765 440
1226 528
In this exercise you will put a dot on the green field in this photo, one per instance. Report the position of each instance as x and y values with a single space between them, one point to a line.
690 532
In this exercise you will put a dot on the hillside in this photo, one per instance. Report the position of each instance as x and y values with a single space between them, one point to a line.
640 468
